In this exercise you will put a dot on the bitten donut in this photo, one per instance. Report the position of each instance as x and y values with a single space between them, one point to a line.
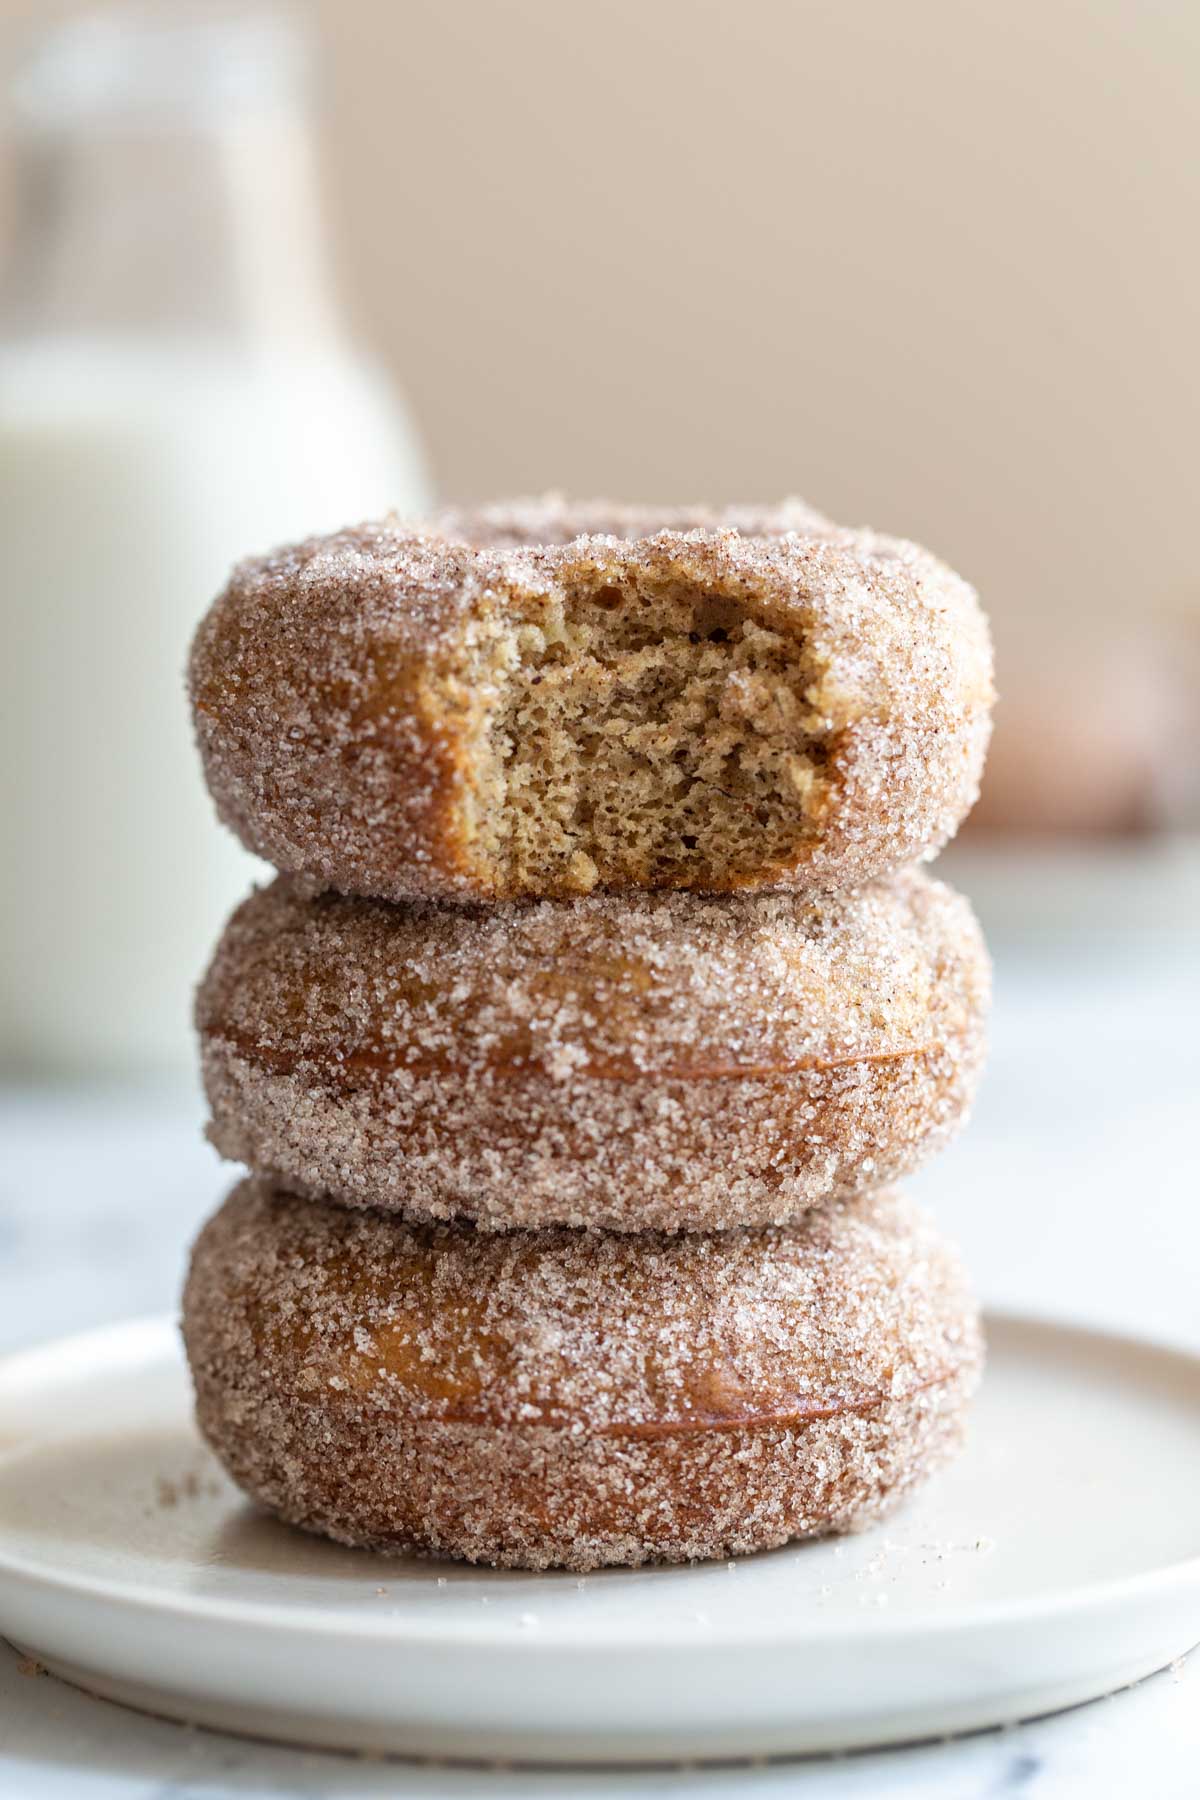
558 1398
629 1061
495 706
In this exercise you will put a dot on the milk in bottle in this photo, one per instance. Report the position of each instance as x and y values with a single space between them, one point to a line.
175 392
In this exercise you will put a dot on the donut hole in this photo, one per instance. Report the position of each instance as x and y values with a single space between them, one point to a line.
646 732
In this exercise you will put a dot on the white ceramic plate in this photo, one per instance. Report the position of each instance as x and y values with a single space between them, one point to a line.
1057 1560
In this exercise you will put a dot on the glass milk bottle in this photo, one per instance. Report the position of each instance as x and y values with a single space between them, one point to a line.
175 392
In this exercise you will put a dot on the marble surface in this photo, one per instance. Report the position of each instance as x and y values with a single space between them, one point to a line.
57 1744
1074 1194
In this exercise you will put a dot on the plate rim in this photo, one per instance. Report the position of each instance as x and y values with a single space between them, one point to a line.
153 1332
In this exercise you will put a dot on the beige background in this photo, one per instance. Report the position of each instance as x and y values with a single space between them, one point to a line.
932 264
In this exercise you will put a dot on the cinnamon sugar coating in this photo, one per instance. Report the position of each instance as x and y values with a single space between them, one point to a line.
671 1061
542 699
559 1398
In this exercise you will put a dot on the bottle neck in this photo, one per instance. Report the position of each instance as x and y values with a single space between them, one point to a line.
211 231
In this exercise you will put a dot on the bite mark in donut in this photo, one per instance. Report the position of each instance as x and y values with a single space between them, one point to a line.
644 732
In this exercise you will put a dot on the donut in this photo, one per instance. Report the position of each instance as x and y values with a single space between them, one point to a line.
573 1399
536 700
668 1060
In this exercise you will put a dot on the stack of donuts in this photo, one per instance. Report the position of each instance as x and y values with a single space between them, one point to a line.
598 1004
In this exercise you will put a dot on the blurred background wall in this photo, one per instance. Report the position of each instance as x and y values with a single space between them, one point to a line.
934 266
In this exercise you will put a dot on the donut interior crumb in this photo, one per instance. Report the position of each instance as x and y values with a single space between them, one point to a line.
643 731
